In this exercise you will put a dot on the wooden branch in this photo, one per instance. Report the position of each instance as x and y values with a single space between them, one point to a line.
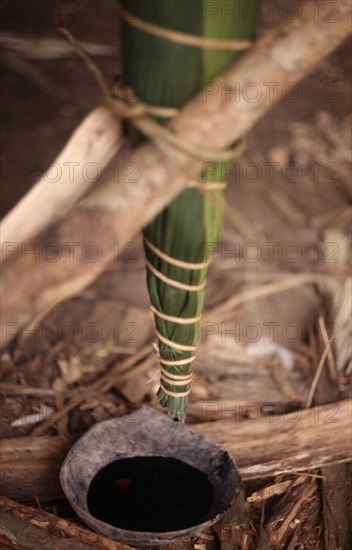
30 466
281 524
337 506
235 528
69 177
337 479
217 117
302 440
27 528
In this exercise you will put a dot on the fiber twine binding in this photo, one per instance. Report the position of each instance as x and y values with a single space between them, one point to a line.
173 261
183 38
179 377
171 344
171 379
179 263
172 319
126 104
182 381
174 394
172 282
175 380
207 186
178 362
121 104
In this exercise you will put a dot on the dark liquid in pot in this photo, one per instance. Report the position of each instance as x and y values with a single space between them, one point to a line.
155 494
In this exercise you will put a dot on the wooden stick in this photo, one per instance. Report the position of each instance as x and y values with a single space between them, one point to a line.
281 524
26 528
337 479
89 150
337 506
217 117
300 441
297 440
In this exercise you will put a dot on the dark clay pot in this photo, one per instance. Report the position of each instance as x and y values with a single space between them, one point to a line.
147 433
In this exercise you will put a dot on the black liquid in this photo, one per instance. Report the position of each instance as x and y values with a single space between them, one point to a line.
154 494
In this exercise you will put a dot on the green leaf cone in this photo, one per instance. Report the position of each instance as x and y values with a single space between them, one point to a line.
167 74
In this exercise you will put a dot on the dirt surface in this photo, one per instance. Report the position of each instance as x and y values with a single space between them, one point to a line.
292 185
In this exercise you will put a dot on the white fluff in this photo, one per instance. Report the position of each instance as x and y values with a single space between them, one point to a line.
265 347
33 418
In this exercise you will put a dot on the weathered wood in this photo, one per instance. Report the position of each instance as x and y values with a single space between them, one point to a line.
234 529
186 545
337 479
27 528
213 120
289 514
99 136
302 440
30 466
336 484
337 505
